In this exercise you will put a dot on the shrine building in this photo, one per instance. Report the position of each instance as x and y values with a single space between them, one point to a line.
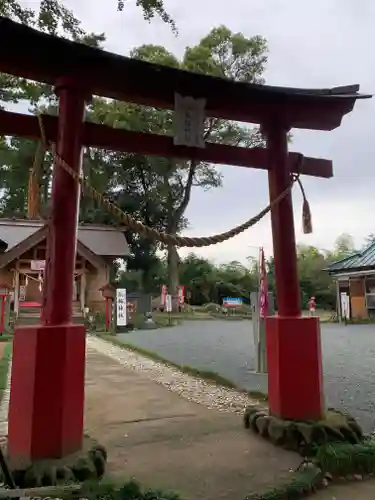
355 276
22 264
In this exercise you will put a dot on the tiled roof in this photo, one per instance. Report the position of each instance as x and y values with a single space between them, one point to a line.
104 240
363 259
101 240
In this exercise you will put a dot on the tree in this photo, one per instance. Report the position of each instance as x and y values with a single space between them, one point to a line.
220 53
150 9
369 240
17 154
52 14
344 246
314 279
208 282
156 190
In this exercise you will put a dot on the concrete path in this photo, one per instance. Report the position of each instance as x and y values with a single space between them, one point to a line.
364 490
168 442
165 441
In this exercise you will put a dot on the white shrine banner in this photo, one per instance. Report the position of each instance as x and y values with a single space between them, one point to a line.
188 122
121 307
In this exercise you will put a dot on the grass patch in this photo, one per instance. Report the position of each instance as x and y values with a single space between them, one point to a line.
162 320
224 317
7 337
210 376
4 367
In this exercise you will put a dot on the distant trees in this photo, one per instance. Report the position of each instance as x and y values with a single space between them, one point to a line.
209 282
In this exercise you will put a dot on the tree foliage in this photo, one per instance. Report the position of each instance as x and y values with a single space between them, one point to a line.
155 190
220 53
208 282
52 15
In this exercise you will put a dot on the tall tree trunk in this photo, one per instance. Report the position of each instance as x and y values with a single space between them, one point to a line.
173 275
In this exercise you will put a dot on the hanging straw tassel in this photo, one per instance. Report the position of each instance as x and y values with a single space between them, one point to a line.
306 218
33 198
306 212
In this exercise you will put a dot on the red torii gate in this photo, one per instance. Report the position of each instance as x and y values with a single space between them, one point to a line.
47 394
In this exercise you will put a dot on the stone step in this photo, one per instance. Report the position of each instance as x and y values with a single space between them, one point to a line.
29 310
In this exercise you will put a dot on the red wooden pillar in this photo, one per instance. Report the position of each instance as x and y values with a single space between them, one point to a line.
293 342
47 394
107 313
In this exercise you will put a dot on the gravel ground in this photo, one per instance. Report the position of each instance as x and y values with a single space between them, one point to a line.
227 348
188 387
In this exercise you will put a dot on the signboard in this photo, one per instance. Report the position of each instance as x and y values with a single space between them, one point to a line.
37 265
232 302
189 117
163 294
121 313
168 303
345 305
22 294
181 294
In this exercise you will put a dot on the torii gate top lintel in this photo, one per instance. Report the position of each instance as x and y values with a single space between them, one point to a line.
28 53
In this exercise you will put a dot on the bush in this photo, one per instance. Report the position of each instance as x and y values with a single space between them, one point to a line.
212 308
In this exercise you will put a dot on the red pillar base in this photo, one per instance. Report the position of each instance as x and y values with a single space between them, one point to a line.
47 395
294 358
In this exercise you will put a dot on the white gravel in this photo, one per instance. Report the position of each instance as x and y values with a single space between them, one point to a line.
187 386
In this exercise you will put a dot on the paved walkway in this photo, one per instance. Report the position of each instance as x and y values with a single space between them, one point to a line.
167 442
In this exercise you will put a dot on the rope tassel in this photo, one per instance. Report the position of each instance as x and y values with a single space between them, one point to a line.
306 211
306 218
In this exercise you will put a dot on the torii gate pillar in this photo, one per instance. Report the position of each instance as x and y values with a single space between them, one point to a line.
293 342
48 367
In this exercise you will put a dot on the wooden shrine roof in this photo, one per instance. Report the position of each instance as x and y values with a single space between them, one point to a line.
37 56
103 241
357 261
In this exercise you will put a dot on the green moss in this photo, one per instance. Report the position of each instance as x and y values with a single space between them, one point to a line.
85 465
304 436
7 337
301 483
343 459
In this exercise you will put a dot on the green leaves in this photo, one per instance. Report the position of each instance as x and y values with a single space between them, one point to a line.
228 55
157 191
51 17
155 54
150 9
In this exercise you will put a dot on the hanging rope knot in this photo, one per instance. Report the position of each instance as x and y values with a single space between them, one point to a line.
149 232
306 211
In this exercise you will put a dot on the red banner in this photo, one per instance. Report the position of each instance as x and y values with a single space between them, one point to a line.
263 286
181 294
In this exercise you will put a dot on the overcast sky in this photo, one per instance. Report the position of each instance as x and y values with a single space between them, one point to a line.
322 43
